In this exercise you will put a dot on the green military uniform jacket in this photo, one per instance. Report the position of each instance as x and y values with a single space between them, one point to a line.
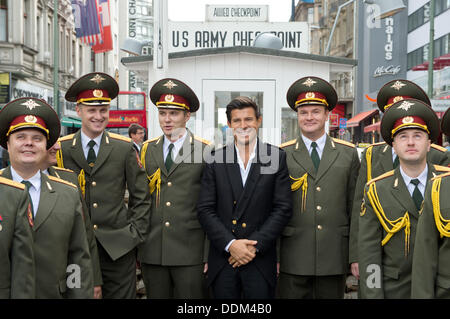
118 229
176 237
315 241
17 275
385 252
375 161
60 241
70 176
431 261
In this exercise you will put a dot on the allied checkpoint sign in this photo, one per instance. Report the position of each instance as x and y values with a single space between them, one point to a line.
186 36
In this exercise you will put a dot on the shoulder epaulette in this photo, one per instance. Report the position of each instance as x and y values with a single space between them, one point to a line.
66 138
440 168
440 176
379 143
387 174
59 180
439 148
202 140
151 140
119 137
343 142
62 169
12 183
291 142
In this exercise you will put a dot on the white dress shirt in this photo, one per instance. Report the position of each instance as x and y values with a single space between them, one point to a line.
35 189
245 170
176 146
422 179
320 144
84 143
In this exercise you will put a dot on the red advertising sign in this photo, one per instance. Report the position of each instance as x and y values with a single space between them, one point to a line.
126 118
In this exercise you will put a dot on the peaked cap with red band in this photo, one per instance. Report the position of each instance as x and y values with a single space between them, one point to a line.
29 113
311 90
398 90
409 114
170 93
94 89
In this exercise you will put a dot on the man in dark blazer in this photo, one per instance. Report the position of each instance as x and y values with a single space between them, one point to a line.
244 204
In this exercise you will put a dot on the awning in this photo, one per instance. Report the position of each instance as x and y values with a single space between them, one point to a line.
70 122
372 127
438 63
354 121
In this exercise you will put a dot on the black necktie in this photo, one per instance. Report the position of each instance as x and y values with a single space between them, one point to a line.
91 153
169 160
417 195
27 186
396 162
315 155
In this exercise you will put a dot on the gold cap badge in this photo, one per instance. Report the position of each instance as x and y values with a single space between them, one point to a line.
309 82
98 93
169 98
30 119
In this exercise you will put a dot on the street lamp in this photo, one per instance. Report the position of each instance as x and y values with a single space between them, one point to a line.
133 46
386 8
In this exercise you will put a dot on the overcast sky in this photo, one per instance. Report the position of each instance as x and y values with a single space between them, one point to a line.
194 10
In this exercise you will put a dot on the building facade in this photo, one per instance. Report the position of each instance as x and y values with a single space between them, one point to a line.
26 51
418 48
321 14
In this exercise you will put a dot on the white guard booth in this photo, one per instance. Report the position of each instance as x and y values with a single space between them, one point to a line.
217 75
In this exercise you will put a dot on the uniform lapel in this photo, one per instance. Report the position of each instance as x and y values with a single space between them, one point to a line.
386 159
103 152
329 155
47 201
77 153
402 195
6 173
157 153
233 171
302 157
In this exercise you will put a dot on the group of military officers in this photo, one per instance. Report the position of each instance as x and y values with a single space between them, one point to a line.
66 231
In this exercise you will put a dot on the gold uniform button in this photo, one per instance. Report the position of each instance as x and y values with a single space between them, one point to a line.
318 188
94 184
167 224
319 227
168 204
95 205
234 202
234 222
319 207
169 184
95 227
244 225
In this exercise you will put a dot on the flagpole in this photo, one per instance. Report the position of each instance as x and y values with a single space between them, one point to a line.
56 58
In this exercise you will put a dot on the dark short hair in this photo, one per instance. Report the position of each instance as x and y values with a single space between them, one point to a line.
240 103
134 128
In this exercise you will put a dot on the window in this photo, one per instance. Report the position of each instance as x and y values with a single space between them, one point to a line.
422 15
26 22
3 19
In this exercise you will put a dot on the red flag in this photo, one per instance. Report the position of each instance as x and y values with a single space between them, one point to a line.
105 27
